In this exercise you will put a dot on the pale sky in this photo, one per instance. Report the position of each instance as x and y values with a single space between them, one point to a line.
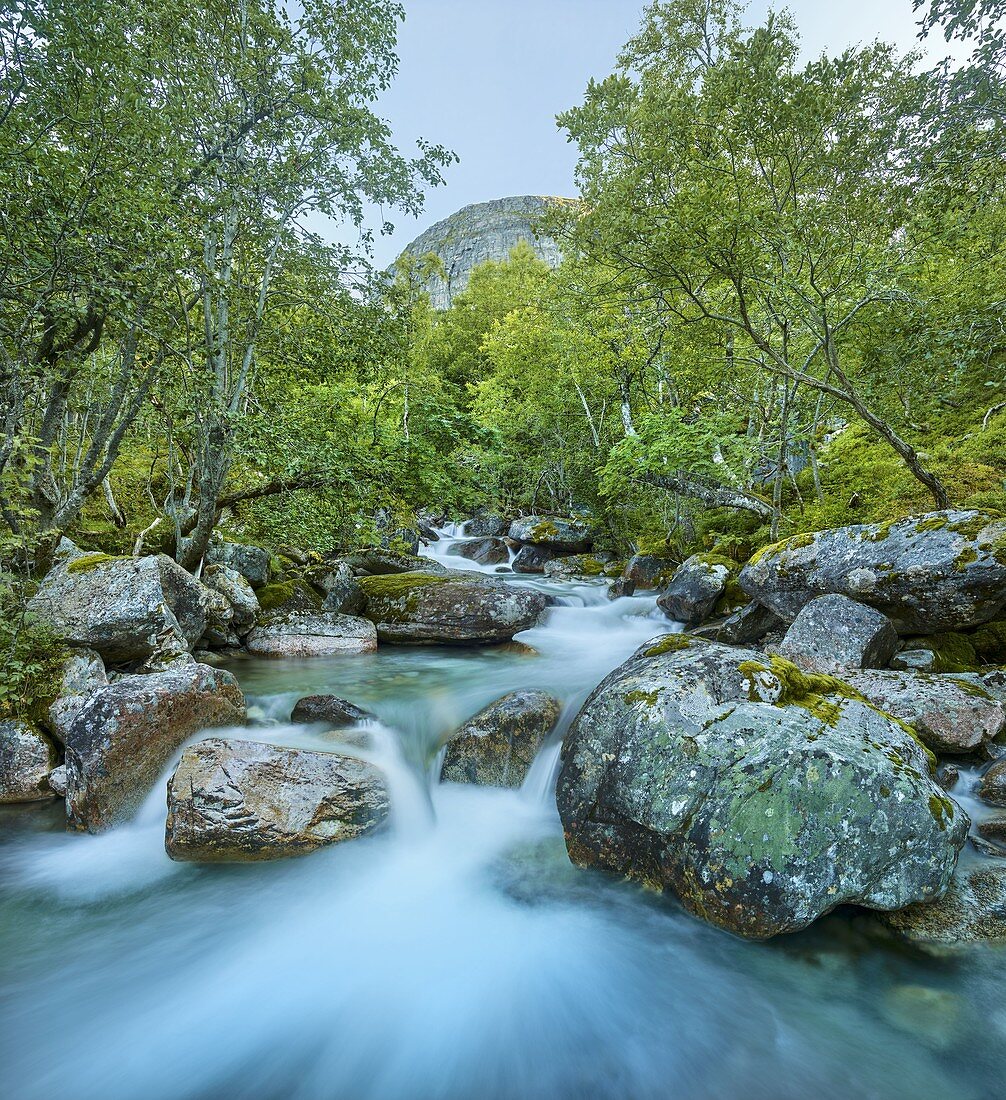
487 77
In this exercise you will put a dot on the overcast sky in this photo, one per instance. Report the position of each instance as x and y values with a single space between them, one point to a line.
487 77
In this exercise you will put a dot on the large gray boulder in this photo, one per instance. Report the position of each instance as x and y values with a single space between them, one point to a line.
496 747
125 608
336 713
533 559
83 671
749 624
125 734
467 609
252 562
951 715
486 551
232 801
379 562
558 533
238 592
485 525
312 634
695 589
833 633
762 796
27 758
942 571
343 594
648 572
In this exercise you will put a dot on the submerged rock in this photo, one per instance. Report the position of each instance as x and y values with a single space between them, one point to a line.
973 909
312 634
533 559
497 746
762 796
558 533
125 608
27 759
833 633
942 571
694 591
425 608
232 801
125 734
330 709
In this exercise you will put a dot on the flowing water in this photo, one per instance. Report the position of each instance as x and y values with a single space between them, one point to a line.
456 955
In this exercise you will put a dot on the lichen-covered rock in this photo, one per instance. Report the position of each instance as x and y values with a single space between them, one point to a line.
832 633
695 589
125 734
57 781
620 587
532 559
972 910
378 562
914 660
466 609
83 672
761 795
330 709
559 533
27 758
343 594
239 594
125 608
219 631
495 748
950 715
992 788
485 525
648 572
232 801
486 551
942 571
252 562
312 634
750 624
574 567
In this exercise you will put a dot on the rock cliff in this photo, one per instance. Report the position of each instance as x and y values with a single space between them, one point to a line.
480 232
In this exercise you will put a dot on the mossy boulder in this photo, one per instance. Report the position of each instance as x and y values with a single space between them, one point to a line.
559 533
449 609
648 572
942 571
234 801
574 567
763 796
695 589
343 593
485 525
832 633
378 561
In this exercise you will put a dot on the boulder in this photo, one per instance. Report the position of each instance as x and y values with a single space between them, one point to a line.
764 797
486 551
558 533
942 571
832 633
330 709
219 631
83 672
972 910
343 594
532 559
125 608
252 562
466 609
575 567
695 589
485 525
232 801
285 596
27 759
125 734
992 788
619 588
57 781
312 634
914 660
378 562
496 747
750 624
950 715
648 572
239 594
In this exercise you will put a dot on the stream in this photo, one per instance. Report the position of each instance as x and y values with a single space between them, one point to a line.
458 954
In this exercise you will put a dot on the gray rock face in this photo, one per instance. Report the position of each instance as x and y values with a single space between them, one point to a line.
485 525
330 709
57 781
431 609
27 758
496 747
972 910
377 562
307 634
949 715
992 788
647 572
694 590
232 801
343 594
696 766
833 633
750 624
83 672
532 559
219 622
480 232
564 536
937 572
486 551
125 734
914 660
252 562
125 608
619 588
573 567
239 594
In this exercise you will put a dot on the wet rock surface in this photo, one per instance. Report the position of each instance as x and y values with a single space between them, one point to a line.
27 758
312 634
330 709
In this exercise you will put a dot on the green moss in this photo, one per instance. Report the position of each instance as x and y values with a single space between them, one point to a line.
647 697
274 595
971 528
954 652
965 558
396 586
934 523
989 642
794 542
669 643
942 810
545 531
92 561
880 532
734 597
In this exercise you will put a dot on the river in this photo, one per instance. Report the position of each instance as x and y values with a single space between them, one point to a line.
456 955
